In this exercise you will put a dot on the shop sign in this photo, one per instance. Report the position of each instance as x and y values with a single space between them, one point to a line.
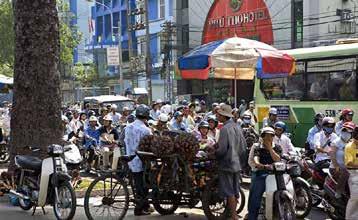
283 111
242 18
112 56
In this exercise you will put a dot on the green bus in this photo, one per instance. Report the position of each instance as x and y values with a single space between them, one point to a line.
325 81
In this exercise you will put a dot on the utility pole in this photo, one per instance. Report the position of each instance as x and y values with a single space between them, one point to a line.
148 59
132 73
120 69
168 29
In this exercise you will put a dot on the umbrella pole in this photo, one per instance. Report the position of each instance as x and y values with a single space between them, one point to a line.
235 89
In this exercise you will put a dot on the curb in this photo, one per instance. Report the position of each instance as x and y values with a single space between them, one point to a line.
4 199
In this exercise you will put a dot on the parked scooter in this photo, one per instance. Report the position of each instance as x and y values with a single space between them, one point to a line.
279 195
335 208
45 182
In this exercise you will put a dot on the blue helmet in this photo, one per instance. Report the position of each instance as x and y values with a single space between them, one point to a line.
177 114
281 124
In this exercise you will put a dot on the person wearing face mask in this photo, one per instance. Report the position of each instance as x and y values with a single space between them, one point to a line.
337 167
311 133
346 116
272 119
322 142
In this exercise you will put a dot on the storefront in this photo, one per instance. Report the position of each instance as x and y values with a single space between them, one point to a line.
228 18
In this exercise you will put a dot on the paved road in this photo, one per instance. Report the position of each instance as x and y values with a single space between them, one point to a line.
15 213
9 212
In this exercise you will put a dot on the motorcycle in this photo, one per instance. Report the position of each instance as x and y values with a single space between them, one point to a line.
315 177
45 182
336 208
303 194
73 160
4 151
279 196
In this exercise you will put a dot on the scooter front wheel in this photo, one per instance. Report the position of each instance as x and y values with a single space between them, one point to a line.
285 208
65 204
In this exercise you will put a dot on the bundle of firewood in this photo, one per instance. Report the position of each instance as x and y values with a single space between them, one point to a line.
186 145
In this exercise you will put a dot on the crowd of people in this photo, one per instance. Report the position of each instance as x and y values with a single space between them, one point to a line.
220 133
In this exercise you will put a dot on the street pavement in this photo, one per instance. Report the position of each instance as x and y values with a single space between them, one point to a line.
9 212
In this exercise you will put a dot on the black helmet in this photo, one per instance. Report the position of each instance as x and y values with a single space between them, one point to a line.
204 124
317 117
131 118
91 113
142 111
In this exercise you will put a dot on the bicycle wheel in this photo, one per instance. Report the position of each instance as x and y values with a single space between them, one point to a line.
107 197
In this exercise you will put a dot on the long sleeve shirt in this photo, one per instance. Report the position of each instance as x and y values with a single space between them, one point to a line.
94 134
310 137
285 143
231 151
133 134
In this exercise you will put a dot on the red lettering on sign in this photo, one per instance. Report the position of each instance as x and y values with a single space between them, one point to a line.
243 18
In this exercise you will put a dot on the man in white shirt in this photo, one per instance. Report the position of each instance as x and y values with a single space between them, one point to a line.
115 115
322 143
282 140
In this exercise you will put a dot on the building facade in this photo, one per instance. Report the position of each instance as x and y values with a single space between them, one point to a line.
292 23
105 34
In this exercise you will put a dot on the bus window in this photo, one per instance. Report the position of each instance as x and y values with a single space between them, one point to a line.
283 88
340 86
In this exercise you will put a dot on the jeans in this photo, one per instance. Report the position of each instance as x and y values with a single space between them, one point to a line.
141 192
352 211
257 189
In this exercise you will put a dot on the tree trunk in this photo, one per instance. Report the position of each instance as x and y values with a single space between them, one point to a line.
36 117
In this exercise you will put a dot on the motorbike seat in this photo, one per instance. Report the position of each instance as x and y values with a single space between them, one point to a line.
29 162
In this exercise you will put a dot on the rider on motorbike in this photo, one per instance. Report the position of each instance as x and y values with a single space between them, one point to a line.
337 167
322 142
351 162
213 130
262 155
311 133
346 116
91 140
272 119
108 138
282 140
177 124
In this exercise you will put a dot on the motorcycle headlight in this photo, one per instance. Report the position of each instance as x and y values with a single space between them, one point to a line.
55 149
280 166
294 170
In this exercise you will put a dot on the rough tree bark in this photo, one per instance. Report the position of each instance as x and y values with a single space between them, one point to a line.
36 117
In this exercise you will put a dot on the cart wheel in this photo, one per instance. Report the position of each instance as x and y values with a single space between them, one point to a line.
214 207
166 202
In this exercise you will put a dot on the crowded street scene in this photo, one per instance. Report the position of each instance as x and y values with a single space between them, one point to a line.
178 109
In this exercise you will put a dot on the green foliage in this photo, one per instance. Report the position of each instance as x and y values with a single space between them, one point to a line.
7 37
70 37
85 74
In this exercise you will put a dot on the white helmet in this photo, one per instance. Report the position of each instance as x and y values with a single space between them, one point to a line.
267 130
163 118
114 106
93 118
273 111
107 118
